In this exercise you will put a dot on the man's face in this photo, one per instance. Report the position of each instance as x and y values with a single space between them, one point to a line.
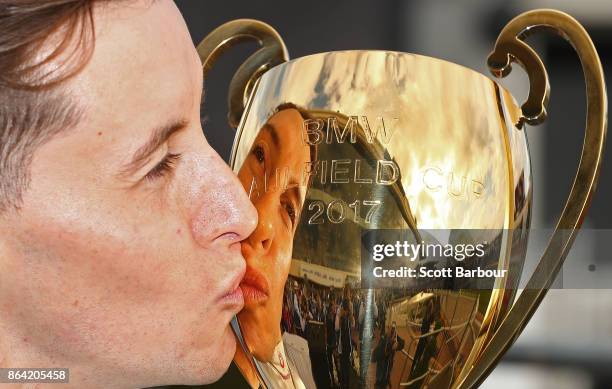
127 256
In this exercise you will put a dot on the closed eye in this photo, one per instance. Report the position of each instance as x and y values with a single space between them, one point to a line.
165 166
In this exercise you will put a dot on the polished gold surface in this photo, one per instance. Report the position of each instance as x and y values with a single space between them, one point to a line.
333 144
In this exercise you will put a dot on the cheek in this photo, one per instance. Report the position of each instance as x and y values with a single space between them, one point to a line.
68 293
282 264
93 263
92 269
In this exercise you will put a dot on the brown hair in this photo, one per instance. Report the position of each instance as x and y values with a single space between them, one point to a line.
33 107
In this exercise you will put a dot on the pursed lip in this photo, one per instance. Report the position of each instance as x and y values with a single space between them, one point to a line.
254 286
233 298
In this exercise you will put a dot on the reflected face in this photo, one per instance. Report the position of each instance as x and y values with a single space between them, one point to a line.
125 254
271 174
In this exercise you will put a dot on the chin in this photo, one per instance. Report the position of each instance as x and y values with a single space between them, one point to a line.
261 343
259 332
221 357
228 348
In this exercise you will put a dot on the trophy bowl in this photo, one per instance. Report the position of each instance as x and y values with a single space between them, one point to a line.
355 158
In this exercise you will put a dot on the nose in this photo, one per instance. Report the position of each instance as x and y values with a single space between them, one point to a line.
261 239
225 215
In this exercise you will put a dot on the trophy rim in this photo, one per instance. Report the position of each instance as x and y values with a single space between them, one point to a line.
396 52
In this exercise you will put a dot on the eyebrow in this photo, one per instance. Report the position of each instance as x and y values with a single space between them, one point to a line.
273 134
158 137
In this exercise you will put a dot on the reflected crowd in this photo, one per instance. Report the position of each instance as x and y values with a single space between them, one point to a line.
333 321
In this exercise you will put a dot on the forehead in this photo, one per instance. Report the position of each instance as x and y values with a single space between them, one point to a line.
144 65
284 128
286 125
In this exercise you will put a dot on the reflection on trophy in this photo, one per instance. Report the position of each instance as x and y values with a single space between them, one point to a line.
338 150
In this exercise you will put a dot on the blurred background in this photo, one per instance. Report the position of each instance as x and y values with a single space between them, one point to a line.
568 342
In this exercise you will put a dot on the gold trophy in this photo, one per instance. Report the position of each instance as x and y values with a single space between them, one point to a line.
332 145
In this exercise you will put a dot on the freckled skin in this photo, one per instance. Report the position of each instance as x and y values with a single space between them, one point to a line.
118 277
270 246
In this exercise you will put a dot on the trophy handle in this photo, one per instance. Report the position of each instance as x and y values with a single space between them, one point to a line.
271 53
511 48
